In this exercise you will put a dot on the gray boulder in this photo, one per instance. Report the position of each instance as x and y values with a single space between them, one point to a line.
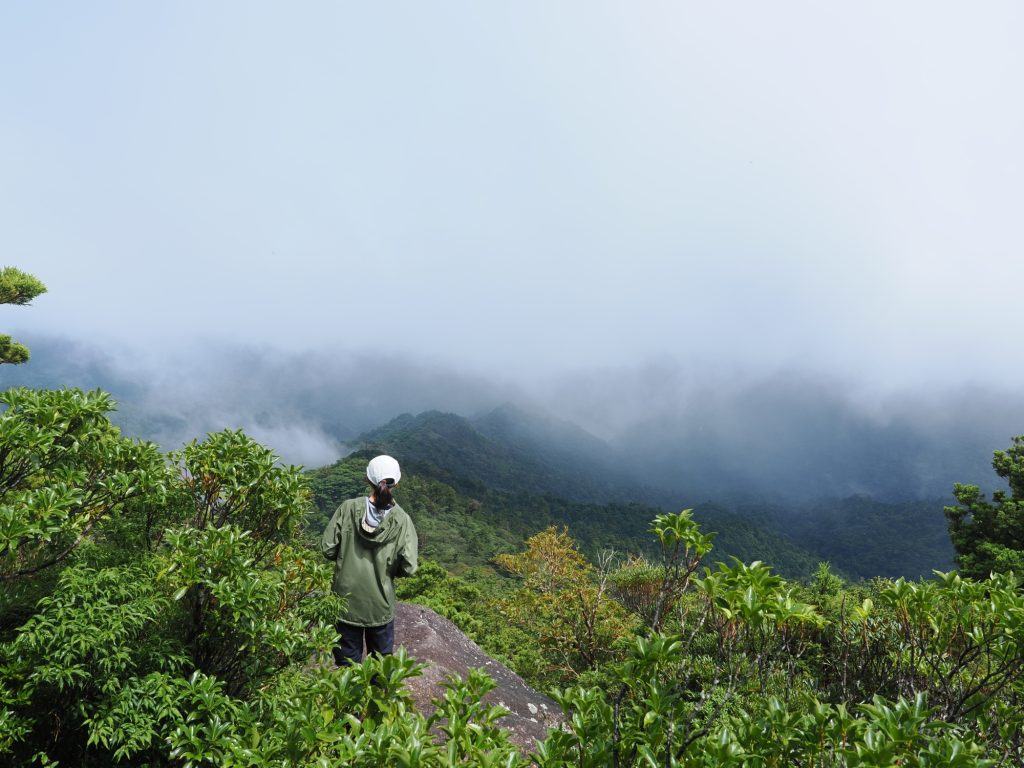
435 641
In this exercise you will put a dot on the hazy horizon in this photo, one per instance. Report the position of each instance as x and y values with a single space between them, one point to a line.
695 432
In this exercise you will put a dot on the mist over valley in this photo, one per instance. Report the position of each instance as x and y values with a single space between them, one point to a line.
773 448
786 436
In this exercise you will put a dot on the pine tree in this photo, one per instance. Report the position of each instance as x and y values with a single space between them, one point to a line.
989 537
16 287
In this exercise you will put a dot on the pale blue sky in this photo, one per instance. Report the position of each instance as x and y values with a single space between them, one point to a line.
526 187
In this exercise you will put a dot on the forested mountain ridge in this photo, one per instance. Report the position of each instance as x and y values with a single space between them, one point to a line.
465 525
522 467
864 537
506 449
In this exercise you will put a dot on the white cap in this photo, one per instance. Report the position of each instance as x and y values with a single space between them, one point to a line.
383 468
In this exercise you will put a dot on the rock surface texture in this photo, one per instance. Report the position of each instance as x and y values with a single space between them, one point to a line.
435 641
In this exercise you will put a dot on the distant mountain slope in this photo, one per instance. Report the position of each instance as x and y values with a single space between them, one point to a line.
740 536
527 472
555 441
506 450
448 447
866 538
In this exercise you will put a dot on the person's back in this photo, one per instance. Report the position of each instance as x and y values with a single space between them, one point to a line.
372 541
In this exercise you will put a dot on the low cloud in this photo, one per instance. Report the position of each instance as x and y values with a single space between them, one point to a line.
698 432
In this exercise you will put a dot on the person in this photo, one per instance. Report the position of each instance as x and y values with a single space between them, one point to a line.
372 541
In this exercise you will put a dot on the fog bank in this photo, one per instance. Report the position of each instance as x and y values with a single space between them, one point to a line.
697 432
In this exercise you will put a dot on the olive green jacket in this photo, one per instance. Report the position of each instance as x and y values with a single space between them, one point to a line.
365 565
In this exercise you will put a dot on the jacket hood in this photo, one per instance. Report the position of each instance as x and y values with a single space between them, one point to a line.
387 531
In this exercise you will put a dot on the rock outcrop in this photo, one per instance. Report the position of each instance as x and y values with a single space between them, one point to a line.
434 640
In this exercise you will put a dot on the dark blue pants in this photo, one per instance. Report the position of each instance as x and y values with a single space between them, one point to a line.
349 650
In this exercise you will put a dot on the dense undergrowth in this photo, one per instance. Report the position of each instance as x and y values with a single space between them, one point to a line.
168 610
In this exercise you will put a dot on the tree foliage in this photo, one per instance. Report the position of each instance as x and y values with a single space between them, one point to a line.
18 288
989 536
749 674
564 604
64 469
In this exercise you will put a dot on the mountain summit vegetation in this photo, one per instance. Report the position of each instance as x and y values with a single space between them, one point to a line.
169 610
